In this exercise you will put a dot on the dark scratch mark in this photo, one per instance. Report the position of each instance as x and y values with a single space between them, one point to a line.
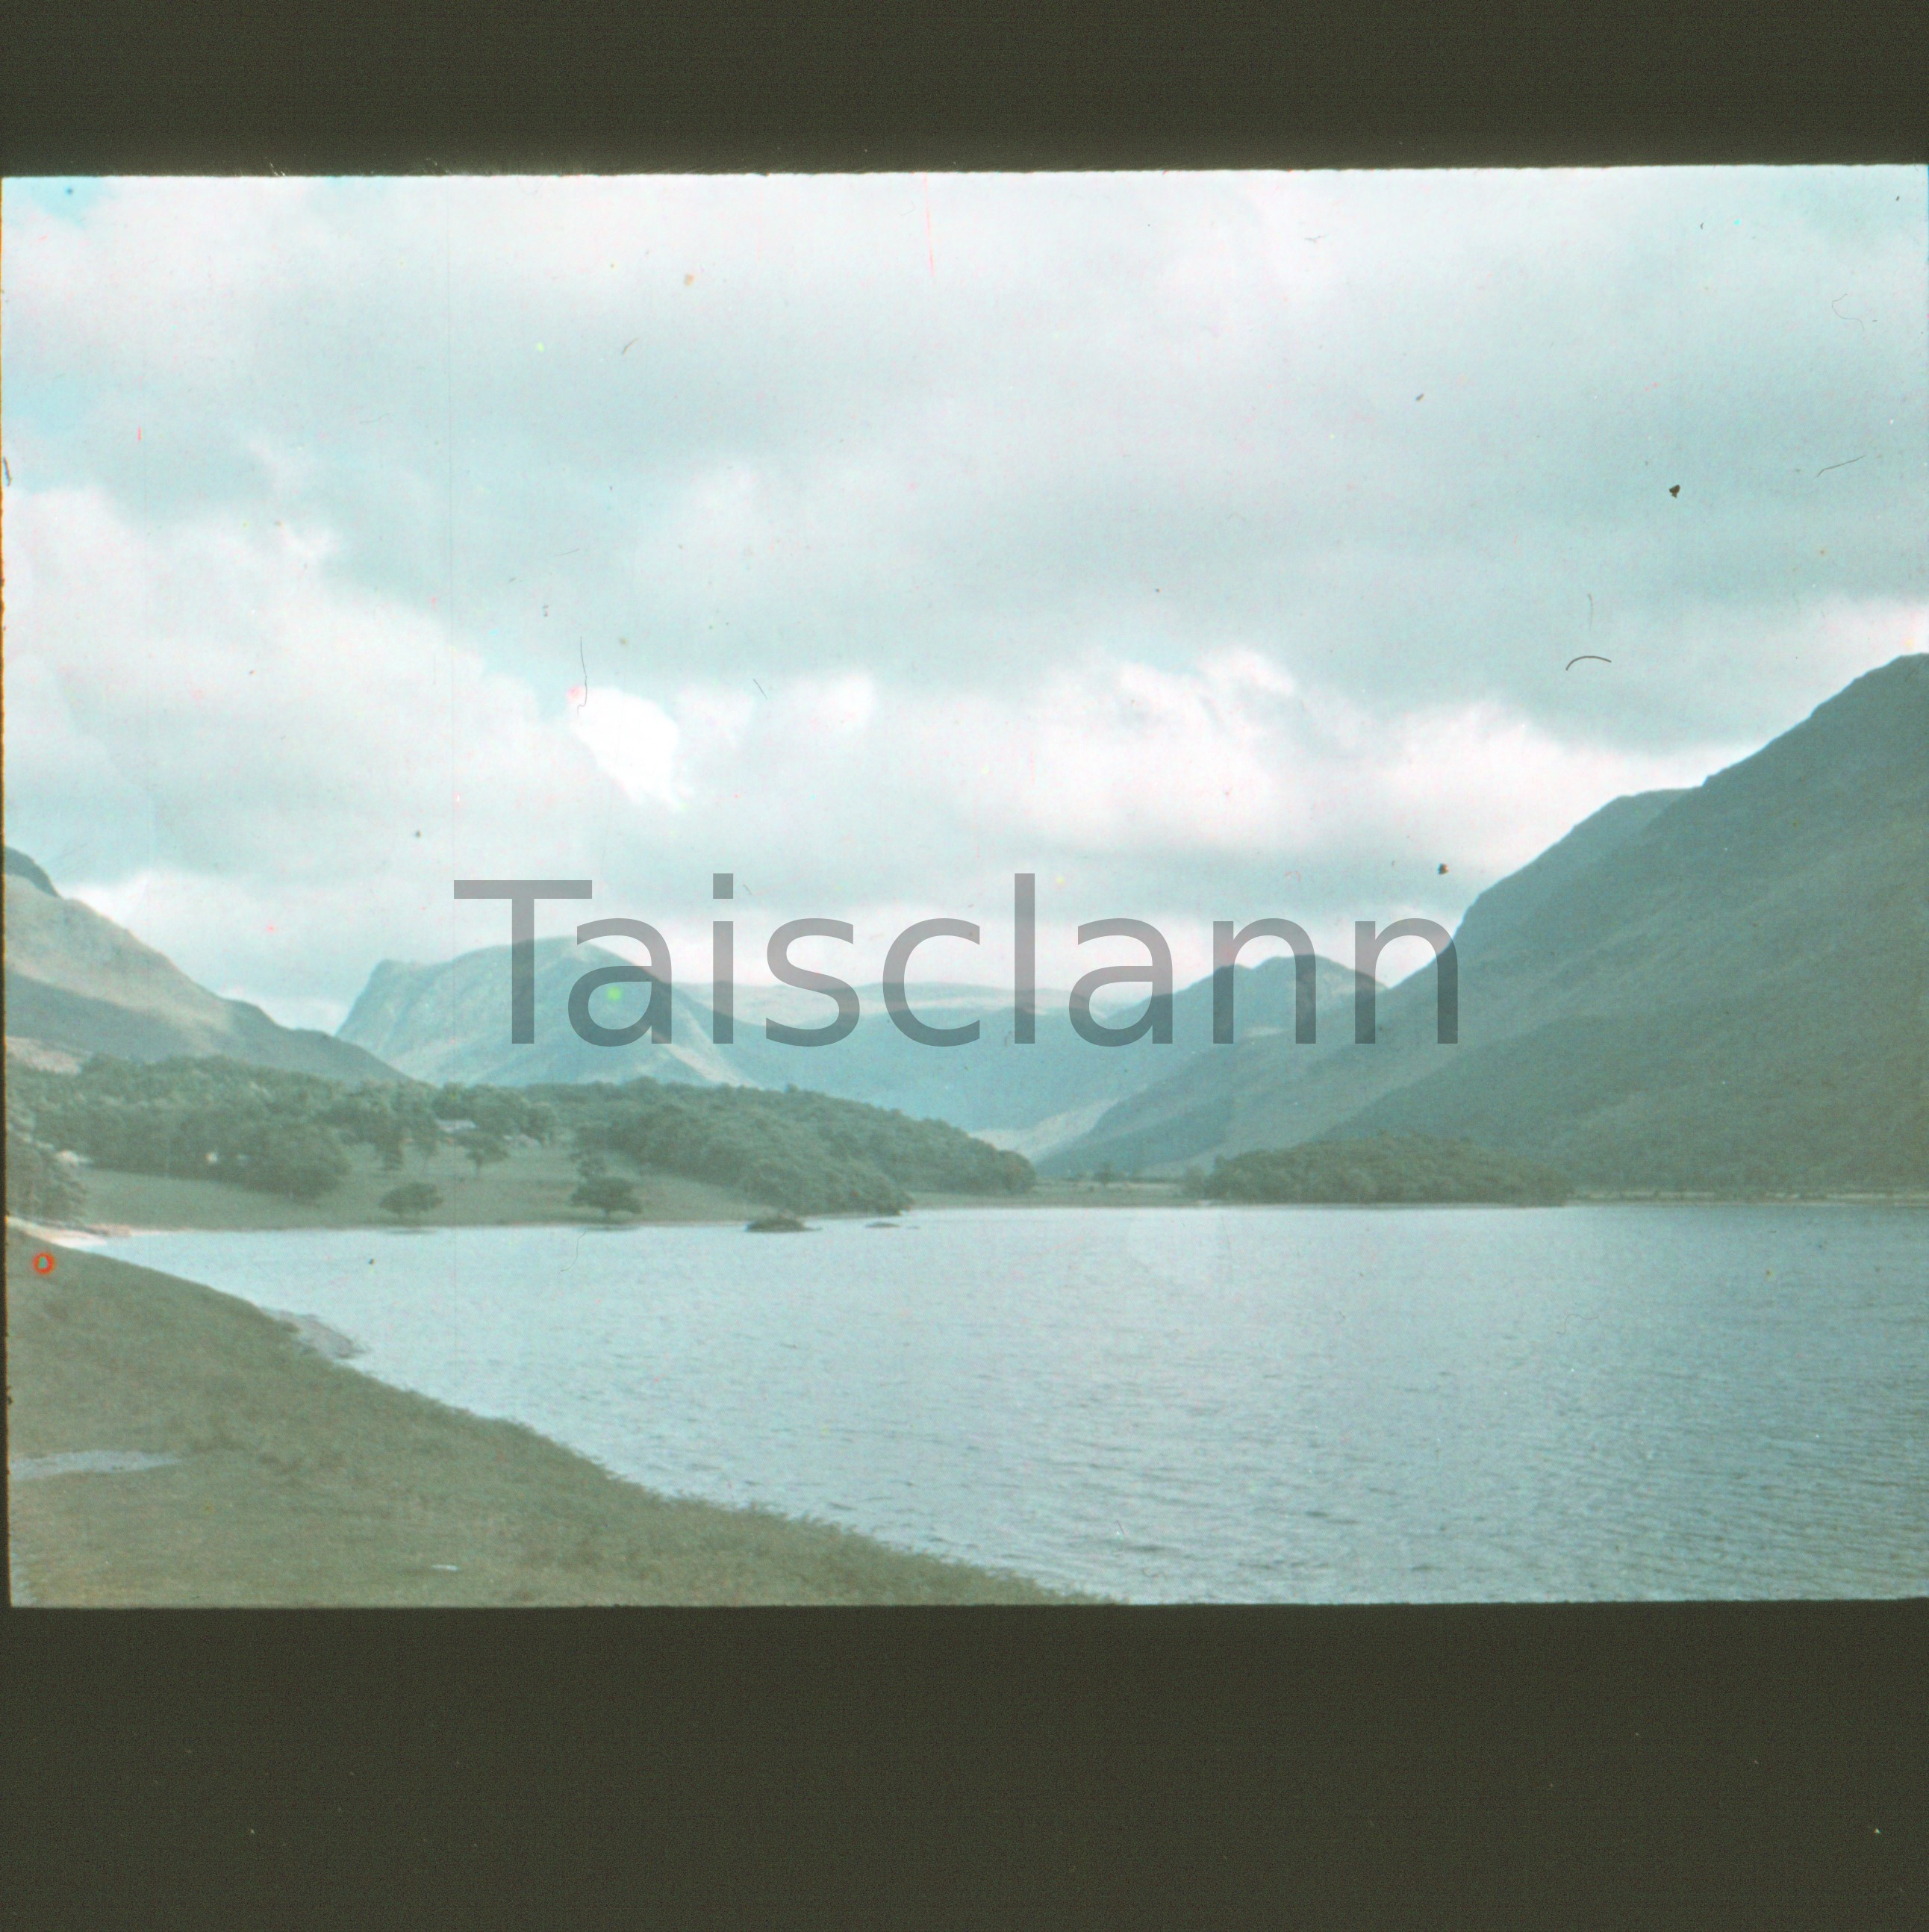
629 345
761 691
569 552
1827 466
1860 321
1588 657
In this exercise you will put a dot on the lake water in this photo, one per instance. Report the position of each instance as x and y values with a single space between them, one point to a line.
1298 1405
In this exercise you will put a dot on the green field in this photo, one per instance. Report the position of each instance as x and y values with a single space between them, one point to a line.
1132 1192
301 1482
533 1185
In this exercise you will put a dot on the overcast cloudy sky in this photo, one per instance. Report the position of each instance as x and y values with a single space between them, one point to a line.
1213 545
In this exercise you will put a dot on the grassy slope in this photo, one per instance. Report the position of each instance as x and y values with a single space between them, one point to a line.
1069 1194
533 1185
304 1483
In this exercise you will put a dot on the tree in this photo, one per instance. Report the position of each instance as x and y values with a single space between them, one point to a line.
485 1148
609 1194
39 1185
411 1200
421 1127
302 1161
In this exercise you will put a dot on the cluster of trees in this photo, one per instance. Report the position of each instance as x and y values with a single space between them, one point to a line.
215 1119
1386 1168
41 1186
393 1118
805 1153
218 1119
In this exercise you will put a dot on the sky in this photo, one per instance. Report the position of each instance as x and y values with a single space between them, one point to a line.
1210 545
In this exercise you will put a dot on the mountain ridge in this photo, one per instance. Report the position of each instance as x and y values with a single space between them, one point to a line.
1727 986
78 984
450 1022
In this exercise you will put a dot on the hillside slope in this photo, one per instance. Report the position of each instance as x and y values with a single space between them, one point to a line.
77 983
1726 988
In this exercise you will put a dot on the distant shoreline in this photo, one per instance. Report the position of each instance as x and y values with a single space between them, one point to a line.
1142 1195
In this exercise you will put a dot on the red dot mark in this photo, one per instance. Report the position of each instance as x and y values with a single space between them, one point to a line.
43 1264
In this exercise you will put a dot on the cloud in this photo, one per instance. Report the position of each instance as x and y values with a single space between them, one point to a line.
306 756
634 741
1198 539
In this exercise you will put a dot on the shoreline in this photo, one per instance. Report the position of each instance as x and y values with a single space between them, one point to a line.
219 1455
532 1189
91 1234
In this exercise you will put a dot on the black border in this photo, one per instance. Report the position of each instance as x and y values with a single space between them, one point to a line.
374 86
1564 1766
1505 1765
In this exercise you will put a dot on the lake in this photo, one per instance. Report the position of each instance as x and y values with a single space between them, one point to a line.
1209 1404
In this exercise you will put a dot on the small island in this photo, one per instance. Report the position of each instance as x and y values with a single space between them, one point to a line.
1385 1169
776 1224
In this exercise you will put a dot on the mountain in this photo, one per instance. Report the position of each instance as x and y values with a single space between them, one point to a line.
19 866
78 984
1269 1092
1725 988
451 1022
1029 1098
